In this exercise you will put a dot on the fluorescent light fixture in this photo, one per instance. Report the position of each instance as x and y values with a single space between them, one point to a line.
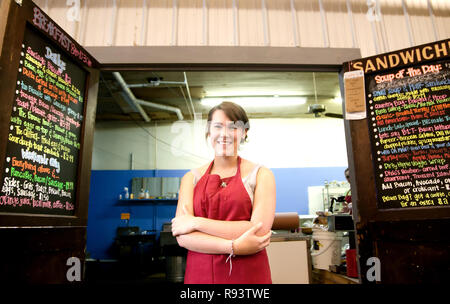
256 101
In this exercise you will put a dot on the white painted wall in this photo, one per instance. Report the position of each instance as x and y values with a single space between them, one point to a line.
276 143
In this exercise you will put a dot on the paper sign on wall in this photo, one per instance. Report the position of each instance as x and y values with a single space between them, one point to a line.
355 101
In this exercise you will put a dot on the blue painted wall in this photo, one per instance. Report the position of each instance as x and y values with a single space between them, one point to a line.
106 185
292 185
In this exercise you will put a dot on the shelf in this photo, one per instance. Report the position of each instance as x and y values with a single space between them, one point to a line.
149 201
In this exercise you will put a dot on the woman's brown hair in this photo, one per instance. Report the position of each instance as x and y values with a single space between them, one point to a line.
234 112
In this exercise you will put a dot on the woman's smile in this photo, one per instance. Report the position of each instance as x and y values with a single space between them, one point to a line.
225 133
224 141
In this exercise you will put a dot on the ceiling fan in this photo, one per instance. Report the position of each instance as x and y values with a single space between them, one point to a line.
318 109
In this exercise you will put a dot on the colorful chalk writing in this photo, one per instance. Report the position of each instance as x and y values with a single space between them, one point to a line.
43 148
47 25
409 126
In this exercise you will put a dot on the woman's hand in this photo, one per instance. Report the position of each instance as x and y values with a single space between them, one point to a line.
249 243
184 224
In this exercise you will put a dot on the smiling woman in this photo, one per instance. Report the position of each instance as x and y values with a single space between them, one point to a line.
225 220
227 128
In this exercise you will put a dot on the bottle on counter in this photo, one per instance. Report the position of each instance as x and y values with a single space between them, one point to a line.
141 194
126 194
147 194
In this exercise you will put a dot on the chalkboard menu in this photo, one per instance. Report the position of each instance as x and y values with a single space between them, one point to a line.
409 125
41 164
408 112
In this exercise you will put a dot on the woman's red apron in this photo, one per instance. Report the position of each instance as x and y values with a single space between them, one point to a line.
229 203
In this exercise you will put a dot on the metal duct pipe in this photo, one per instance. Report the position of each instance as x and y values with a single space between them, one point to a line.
157 83
153 84
130 95
138 102
160 106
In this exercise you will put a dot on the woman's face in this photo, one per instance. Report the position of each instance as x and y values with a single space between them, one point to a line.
225 134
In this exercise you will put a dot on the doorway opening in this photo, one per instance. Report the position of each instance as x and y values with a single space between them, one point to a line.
153 122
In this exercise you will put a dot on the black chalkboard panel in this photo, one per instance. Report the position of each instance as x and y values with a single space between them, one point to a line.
41 164
408 111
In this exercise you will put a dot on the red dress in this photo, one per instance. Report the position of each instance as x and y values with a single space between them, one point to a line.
229 203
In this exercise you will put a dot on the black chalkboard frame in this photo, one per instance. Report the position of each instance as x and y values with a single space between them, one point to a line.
360 154
21 16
